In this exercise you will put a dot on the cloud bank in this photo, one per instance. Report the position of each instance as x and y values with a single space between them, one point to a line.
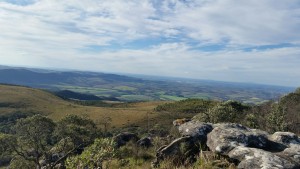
245 41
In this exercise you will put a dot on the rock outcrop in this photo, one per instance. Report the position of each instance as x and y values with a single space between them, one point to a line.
123 138
226 136
248 148
195 129
180 150
257 158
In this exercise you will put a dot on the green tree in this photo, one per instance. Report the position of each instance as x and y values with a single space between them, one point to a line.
251 120
276 118
33 137
36 139
7 143
94 156
81 131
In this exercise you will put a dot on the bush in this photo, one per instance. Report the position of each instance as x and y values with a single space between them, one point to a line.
187 106
81 130
94 156
229 111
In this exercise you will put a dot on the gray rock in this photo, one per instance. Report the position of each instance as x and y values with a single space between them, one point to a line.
291 142
172 149
180 150
249 148
123 138
293 152
196 129
253 158
226 136
145 142
285 138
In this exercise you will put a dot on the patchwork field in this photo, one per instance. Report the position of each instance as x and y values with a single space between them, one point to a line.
141 88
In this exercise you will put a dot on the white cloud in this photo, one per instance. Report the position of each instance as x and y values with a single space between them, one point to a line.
239 22
92 34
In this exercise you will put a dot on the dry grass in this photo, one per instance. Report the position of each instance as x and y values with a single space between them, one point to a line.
33 100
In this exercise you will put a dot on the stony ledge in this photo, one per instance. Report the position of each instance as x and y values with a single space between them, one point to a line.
249 148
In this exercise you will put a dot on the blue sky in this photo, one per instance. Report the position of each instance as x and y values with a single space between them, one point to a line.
243 41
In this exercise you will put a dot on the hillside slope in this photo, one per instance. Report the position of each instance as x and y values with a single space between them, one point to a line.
24 99
19 98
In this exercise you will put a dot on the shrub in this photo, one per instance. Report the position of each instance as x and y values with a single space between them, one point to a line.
94 156
229 111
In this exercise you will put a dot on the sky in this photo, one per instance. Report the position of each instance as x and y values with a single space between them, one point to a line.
255 41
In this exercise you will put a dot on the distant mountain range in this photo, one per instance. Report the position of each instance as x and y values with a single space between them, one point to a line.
138 88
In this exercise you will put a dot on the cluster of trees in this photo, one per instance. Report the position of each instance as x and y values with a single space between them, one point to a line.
73 142
37 141
281 115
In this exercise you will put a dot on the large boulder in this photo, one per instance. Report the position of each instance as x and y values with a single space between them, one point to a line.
196 129
123 138
249 148
292 143
226 136
253 158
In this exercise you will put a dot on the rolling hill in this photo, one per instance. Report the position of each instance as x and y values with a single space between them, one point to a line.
139 88
28 100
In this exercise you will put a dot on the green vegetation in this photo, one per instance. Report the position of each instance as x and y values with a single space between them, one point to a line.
175 98
39 129
229 111
132 98
124 88
36 139
38 142
281 115
102 150
187 106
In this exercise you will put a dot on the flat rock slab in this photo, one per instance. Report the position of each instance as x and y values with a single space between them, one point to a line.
226 136
253 158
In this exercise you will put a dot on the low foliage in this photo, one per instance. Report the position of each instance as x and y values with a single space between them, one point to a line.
94 156
229 111
39 141
81 130
187 106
